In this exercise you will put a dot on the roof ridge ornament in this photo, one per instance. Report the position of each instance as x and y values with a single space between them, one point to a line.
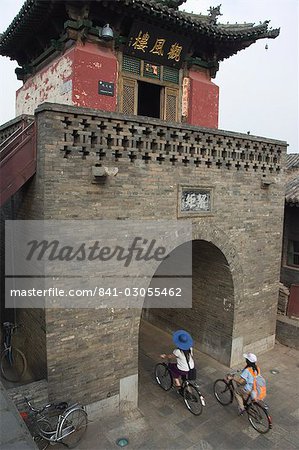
214 13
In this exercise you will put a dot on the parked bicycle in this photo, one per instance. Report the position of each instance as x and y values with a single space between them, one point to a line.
257 411
13 361
193 399
56 424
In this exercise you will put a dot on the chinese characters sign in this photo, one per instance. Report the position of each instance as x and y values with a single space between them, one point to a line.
106 88
185 96
195 200
157 45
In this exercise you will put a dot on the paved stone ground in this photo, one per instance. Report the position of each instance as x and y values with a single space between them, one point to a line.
14 435
164 422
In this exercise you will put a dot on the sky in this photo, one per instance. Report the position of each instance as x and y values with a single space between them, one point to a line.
258 86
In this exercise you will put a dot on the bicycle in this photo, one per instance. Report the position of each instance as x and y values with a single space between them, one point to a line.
257 411
13 361
193 398
56 424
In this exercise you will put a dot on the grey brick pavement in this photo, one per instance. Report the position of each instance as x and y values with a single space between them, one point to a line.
163 421
14 434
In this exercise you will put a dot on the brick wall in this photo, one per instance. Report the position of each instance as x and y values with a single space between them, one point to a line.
37 392
283 299
53 84
287 331
236 264
27 203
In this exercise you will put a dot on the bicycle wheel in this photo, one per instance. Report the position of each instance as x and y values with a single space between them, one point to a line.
72 427
163 376
13 364
223 392
259 418
192 399
42 425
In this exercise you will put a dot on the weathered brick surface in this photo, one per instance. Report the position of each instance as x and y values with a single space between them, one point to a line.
36 392
283 299
237 259
287 331
31 337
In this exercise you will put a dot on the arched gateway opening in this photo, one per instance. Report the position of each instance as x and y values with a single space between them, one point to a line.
210 320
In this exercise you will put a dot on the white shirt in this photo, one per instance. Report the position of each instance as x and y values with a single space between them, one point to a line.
181 361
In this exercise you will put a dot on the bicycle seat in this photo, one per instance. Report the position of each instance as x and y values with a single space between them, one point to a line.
56 408
7 324
60 406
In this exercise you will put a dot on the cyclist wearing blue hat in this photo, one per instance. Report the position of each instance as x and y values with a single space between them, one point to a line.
183 354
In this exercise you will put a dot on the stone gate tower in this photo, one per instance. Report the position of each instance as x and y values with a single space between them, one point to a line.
128 84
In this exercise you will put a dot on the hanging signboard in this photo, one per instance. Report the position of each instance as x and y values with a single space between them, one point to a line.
157 45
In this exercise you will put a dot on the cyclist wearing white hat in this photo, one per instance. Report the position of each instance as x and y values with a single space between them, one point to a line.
184 356
244 382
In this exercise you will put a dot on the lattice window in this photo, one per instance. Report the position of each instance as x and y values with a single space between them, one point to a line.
171 105
129 97
293 253
171 75
132 65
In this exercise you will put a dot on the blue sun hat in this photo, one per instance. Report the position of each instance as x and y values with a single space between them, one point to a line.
182 339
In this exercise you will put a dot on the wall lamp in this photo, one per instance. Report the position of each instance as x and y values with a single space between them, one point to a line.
106 33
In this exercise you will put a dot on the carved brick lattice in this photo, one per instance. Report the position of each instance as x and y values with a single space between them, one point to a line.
114 138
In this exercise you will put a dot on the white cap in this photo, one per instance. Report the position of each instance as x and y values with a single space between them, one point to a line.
251 357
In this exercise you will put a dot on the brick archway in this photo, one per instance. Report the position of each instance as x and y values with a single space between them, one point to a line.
217 287
213 234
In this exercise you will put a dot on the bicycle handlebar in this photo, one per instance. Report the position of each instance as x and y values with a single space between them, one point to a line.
235 372
31 406
9 326
58 406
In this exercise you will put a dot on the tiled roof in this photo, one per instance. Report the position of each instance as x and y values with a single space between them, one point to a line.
33 18
292 161
292 192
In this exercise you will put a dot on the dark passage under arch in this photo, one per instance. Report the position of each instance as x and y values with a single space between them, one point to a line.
210 320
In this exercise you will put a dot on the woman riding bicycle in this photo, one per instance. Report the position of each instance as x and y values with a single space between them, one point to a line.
184 357
244 382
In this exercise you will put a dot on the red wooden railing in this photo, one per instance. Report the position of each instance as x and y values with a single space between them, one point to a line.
17 157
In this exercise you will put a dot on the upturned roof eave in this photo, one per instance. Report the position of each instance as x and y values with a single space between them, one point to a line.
32 9
292 192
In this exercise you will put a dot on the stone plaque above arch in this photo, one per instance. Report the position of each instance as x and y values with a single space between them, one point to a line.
195 201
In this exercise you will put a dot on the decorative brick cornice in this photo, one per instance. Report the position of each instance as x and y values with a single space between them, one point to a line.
112 136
